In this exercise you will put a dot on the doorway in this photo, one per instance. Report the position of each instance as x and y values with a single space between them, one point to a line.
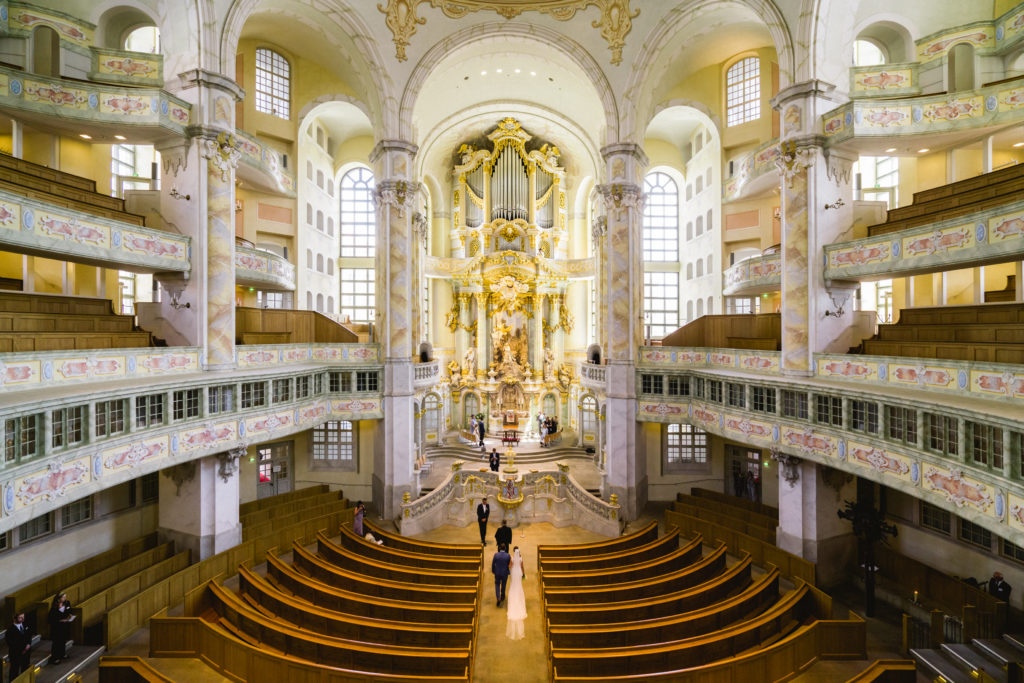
745 472
275 469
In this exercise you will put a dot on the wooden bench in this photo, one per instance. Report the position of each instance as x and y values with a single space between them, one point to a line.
981 353
51 186
1014 171
271 501
992 333
66 322
679 559
735 579
649 551
715 330
277 522
283 577
287 507
728 508
645 535
343 558
72 204
978 314
291 326
21 342
408 558
426 547
129 670
25 302
734 502
681 579
756 530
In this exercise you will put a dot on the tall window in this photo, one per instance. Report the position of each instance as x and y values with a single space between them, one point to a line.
334 443
743 91
144 39
661 218
880 179
273 84
357 298
661 303
131 167
358 244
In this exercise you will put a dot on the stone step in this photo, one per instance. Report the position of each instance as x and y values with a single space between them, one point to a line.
938 663
974 660
1000 650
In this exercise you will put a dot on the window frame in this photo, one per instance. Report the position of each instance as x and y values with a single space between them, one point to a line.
272 87
742 91
685 449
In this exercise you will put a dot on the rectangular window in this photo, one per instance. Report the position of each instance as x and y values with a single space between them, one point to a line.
743 92
651 384
273 84
794 404
699 387
737 395
76 513
185 403
150 486
986 444
149 410
714 390
282 390
1014 552
943 433
358 302
685 445
935 518
109 417
975 534
366 381
763 399
864 416
828 410
902 424
5 541
36 528
339 381
678 386
302 386
334 443
20 435
661 303
66 427
221 399
254 394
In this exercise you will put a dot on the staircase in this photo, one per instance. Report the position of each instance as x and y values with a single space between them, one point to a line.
962 663
526 455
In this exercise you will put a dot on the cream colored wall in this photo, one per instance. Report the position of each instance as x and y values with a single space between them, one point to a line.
665 486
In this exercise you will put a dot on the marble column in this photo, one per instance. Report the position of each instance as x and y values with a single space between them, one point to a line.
463 339
538 335
810 495
621 270
419 229
199 504
482 361
221 157
394 196
817 209
557 342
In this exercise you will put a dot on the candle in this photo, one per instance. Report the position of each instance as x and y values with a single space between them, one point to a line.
915 596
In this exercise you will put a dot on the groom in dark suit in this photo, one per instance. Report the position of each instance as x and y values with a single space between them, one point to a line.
500 565
483 511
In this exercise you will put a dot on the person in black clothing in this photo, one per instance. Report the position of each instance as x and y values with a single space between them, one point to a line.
480 428
483 511
19 645
503 536
60 619
999 588
495 461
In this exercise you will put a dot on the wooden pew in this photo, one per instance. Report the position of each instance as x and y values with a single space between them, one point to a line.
758 531
677 560
21 342
320 569
40 171
282 577
643 536
244 661
357 563
757 597
697 573
73 204
129 670
271 501
276 523
289 507
352 627
717 588
407 558
426 547
34 182
734 502
301 327
656 548
744 514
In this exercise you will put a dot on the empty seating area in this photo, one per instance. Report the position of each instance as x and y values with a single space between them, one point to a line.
52 322
956 199
672 608
268 515
991 333
280 326
351 610
759 332
750 522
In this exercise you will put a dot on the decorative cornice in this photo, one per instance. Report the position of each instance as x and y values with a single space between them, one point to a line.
399 194
194 78
619 196
227 463
805 89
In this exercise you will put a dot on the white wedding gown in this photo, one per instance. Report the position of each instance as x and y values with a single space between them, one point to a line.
516 628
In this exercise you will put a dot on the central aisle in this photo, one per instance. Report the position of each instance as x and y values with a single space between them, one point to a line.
499 659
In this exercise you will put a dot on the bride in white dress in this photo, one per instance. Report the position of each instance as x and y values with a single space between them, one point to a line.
516 628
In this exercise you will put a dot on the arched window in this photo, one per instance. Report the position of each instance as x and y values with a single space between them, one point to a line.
330 303
588 420
711 306
700 185
309 258
320 221
700 307
357 230
309 213
708 269
689 271
309 170
431 418
309 301
866 53
319 263
689 231
143 39
320 179
743 91
470 407
700 226
273 84
661 218
45 51
320 302
330 187
689 310
700 268
330 226
707 222
330 266
961 67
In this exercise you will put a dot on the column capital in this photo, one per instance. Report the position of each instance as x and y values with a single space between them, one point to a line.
481 297
630 149
622 196
400 194
227 462
221 150
804 90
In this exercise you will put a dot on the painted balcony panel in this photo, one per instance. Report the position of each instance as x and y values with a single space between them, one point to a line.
128 68
665 357
754 172
29 226
270 355
994 235
263 165
981 35
753 276
263 269
19 19
39 369
57 102
886 80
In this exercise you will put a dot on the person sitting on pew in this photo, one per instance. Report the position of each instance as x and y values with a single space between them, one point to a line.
373 539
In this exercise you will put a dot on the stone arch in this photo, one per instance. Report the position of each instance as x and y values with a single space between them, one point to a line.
114 19
891 34
484 32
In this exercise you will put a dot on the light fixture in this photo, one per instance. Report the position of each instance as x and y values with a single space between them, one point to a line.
84 136
533 73
483 73
1018 144
120 137
922 150
498 70
517 70
890 150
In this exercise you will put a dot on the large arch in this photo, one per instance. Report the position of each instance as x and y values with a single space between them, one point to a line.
485 32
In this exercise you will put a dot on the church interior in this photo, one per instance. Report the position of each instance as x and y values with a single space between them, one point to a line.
718 303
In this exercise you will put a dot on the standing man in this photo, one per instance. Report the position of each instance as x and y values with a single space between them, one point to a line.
503 536
999 588
500 568
480 428
483 511
19 643
495 461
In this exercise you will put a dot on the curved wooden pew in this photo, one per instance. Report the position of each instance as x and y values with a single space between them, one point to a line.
757 597
784 617
697 573
409 558
643 536
344 558
246 661
284 577
425 547
736 579
318 568
641 553
343 626
678 559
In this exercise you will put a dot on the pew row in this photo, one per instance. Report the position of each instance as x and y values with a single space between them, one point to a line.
344 558
407 558
646 535
679 559
425 547
252 506
657 548
129 670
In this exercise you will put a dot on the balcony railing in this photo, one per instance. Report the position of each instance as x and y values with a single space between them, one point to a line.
260 268
594 376
753 276
426 374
